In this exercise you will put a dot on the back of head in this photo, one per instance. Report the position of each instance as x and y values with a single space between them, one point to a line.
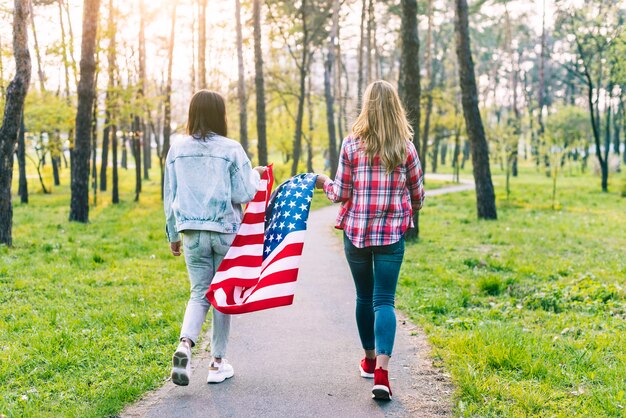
207 114
383 125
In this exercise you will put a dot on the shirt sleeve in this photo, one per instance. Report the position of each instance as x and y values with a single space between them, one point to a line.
340 190
243 179
415 178
169 194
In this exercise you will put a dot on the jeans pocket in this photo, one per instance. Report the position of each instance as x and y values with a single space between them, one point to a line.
191 239
222 242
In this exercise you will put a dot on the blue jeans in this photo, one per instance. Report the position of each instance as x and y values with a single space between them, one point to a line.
204 251
375 271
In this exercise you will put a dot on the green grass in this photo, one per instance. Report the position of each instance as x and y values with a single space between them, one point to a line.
527 313
89 314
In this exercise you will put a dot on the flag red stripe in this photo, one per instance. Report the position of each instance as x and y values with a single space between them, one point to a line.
254 306
241 261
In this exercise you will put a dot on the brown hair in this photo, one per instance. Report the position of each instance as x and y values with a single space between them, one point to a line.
207 114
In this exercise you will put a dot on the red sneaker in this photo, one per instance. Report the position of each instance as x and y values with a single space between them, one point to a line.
381 389
367 367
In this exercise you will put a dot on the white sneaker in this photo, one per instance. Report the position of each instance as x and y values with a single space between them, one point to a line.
181 365
218 372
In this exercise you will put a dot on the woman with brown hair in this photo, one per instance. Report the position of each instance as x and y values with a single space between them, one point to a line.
207 179
379 182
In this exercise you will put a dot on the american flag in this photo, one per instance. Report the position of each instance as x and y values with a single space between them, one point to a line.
261 267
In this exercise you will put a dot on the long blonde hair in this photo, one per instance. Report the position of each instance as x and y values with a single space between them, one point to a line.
383 126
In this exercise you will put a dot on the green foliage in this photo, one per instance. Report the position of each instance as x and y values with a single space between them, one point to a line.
47 112
526 313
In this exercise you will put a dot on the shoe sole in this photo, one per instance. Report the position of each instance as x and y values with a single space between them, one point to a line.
220 379
180 374
366 374
381 392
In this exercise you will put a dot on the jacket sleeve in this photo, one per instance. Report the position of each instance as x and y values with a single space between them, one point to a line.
243 179
169 194
415 178
340 189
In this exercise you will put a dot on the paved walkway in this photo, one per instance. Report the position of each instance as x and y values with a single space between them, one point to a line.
302 360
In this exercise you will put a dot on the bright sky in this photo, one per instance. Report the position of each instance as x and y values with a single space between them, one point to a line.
221 50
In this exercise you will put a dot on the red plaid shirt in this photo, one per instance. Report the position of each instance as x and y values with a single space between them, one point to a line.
377 208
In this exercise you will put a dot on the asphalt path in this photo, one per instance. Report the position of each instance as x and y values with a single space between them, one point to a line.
302 360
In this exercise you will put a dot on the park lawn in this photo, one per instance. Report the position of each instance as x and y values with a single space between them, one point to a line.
527 313
89 314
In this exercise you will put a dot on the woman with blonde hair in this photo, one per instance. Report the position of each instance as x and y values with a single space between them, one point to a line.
379 182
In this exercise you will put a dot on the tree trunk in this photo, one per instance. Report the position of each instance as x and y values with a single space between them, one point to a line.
194 84
430 74
241 82
297 139
359 88
12 118
137 131
40 73
94 137
435 154
21 162
409 83
260 86
66 63
79 206
109 102
167 114
368 42
115 191
202 44
144 139
71 42
328 77
485 196
309 138
542 95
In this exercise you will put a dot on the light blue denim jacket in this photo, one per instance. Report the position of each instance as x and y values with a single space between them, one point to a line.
206 181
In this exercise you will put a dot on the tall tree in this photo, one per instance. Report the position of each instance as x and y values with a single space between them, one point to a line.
485 196
409 83
40 72
241 82
79 206
360 76
13 110
167 113
328 77
71 41
108 111
430 75
202 43
66 63
261 125
21 161
596 29
302 68
145 137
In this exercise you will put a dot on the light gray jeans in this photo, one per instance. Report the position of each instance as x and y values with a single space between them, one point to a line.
204 251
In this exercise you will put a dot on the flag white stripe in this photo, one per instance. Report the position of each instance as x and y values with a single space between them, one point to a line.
251 229
269 292
252 249
256 207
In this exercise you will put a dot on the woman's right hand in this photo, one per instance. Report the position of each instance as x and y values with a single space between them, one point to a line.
260 169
